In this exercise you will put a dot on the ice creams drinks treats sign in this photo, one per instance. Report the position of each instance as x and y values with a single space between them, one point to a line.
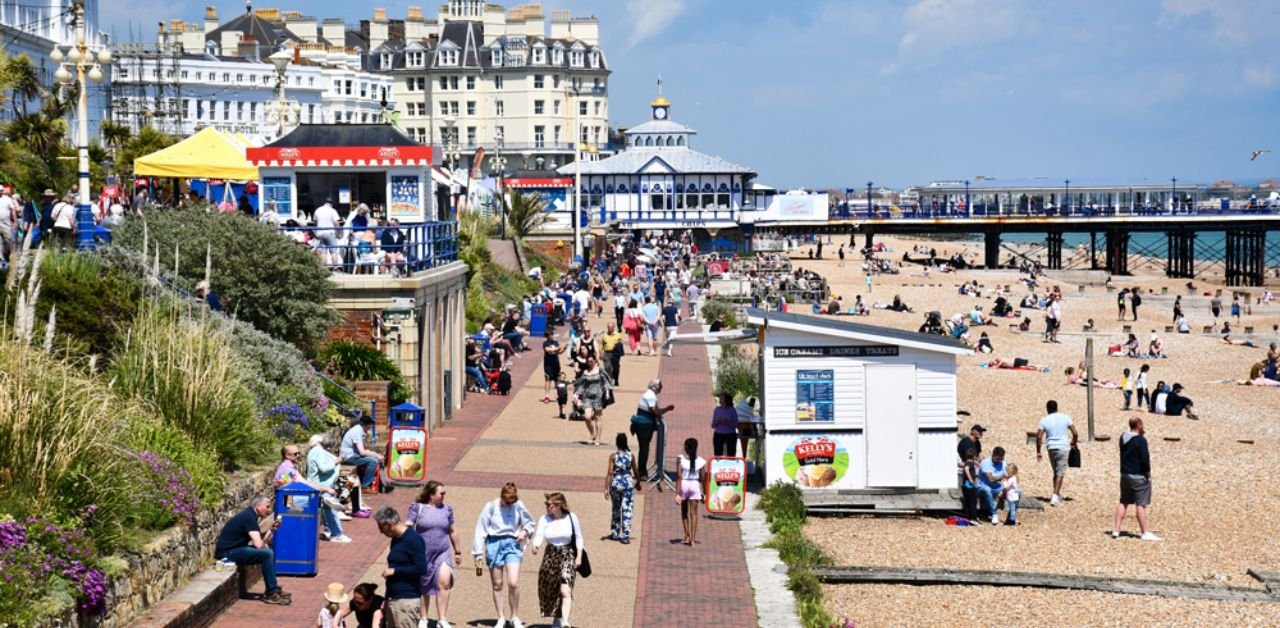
815 461
408 453
726 494
815 395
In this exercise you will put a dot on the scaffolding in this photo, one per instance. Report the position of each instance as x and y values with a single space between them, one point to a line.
146 87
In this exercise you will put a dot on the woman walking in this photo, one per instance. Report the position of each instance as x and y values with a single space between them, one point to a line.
693 471
724 424
591 388
501 532
633 323
432 519
560 530
620 488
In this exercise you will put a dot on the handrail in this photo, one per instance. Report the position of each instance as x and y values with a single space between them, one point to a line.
423 246
351 412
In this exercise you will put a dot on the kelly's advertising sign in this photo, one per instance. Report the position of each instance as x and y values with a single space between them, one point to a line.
815 461
727 486
407 455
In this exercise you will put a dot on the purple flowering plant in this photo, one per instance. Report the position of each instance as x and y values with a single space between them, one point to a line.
166 491
37 556
289 421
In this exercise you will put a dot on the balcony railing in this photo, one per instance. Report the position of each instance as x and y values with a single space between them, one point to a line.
980 211
424 246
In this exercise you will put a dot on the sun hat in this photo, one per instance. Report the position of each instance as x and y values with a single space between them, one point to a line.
47 192
336 593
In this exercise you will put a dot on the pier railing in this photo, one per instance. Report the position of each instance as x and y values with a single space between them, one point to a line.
376 250
981 211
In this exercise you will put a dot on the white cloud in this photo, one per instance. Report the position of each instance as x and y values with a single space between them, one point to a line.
1233 22
650 17
1260 76
938 25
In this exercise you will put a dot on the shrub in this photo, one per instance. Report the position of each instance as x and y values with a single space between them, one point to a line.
263 277
166 441
784 508
738 372
289 422
93 301
276 371
712 309
37 558
165 492
186 370
364 363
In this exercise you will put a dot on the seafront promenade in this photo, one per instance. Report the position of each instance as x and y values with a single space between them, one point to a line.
654 581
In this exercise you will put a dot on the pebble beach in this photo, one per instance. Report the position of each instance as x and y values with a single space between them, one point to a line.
1215 479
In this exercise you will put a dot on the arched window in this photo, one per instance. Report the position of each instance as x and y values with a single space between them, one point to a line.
680 141
671 141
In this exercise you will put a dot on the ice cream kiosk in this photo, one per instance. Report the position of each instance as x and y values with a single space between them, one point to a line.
853 412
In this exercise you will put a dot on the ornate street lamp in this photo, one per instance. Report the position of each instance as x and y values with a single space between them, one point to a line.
1173 202
498 164
870 208
282 112
86 62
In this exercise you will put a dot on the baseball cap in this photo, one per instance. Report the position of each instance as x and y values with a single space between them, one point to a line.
978 428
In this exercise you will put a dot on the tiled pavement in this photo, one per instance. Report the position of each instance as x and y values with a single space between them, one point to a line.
674 585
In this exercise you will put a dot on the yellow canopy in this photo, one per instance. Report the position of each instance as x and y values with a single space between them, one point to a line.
209 154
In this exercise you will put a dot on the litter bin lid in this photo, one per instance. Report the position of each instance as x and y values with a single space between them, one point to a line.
297 488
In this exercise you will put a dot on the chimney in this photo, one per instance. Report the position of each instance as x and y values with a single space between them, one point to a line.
378 29
230 43
415 27
586 30
306 28
560 24
335 30
248 48
210 19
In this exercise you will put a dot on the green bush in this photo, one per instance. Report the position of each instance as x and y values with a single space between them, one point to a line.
186 370
784 508
168 441
738 371
364 363
264 278
92 301
712 309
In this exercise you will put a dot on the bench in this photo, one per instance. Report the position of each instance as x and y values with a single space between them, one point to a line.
1208 329
1168 329
1128 329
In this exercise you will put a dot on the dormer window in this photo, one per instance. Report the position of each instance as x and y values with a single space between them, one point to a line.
595 59
497 57
557 57
386 61
575 58
449 57
539 55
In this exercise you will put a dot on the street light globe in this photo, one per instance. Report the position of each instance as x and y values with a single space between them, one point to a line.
73 55
56 55
95 74
104 56
62 76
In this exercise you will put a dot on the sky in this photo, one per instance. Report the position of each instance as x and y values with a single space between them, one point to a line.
835 93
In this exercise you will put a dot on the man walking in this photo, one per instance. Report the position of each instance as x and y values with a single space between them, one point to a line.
1135 479
406 564
551 351
1059 433
670 323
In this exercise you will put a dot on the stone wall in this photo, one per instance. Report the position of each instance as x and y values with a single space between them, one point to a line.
170 559
548 248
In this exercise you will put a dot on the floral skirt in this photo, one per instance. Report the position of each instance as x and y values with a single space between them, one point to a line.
557 569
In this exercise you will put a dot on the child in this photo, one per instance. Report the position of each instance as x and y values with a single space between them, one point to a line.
693 470
970 487
984 344
1140 385
562 392
335 597
1012 494
1126 385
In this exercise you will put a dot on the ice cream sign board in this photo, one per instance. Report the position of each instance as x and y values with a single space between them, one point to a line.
726 494
408 455
815 461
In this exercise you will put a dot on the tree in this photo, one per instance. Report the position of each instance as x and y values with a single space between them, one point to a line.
264 278
147 141
526 213
22 81
114 134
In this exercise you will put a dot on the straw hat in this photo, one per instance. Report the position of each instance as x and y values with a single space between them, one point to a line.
336 593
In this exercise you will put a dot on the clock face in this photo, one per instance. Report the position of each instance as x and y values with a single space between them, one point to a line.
660 113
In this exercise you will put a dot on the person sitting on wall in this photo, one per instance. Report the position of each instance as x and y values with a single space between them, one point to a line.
242 542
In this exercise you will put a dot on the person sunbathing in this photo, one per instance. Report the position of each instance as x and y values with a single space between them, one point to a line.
1021 364
1239 343
1077 376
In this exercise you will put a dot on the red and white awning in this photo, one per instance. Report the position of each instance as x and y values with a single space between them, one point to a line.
340 156
545 182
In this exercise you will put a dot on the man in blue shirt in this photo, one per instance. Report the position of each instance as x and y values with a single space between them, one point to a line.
406 564
652 315
990 472
1059 433
670 322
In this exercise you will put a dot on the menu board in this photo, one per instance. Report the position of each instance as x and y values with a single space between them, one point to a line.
278 190
815 395
406 203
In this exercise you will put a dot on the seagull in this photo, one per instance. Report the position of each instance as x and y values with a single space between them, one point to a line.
1258 153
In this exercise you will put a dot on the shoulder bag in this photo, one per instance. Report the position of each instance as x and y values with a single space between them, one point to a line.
584 569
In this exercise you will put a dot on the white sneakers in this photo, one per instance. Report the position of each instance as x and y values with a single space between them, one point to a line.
1115 534
995 519
1149 537
324 535
340 539
1055 501
516 623
443 623
501 623
342 516
423 623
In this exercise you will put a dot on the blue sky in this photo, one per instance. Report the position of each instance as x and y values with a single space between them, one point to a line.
833 93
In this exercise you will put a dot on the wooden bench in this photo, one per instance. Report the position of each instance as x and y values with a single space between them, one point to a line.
1128 329
1208 329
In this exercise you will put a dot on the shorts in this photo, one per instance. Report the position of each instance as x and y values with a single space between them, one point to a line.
327 238
551 375
1135 490
690 490
652 331
1020 362
1058 460
502 550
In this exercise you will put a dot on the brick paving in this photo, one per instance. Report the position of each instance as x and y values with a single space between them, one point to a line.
676 584
707 584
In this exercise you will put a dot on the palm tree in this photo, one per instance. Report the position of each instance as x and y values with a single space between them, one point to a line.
22 80
114 134
526 213
41 134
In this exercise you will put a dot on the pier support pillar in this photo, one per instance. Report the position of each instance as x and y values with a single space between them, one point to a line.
1182 254
1054 244
1118 252
991 242
1093 250
1246 257
868 238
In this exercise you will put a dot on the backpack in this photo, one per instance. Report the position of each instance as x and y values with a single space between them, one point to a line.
504 383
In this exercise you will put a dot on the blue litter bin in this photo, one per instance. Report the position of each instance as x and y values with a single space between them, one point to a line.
538 320
407 415
297 542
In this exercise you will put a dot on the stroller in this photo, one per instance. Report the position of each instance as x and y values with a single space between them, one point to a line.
933 324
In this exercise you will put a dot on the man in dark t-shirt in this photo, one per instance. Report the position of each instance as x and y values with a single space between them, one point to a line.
551 351
974 440
243 543
670 322
406 564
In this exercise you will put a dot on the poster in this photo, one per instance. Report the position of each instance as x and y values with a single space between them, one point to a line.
727 490
815 395
278 190
815 461
405 200
407 455
344 196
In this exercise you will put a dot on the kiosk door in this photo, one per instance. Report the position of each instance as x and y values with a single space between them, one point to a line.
892 434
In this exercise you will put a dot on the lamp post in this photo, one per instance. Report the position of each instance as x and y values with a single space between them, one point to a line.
86 62
280 111
968 211
1173 202
1066 198
870 207
498 163
452 154
571 92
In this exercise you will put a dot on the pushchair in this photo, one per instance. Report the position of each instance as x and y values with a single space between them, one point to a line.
933 324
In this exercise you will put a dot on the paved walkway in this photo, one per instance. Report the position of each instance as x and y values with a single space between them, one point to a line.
516 438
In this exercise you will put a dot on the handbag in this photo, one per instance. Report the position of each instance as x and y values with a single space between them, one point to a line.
584 569
608 397
629 323
1073 458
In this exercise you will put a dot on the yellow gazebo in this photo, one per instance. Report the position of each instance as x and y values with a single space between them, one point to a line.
209 154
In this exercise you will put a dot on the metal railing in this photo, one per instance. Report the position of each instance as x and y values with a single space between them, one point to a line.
981 211
424 246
